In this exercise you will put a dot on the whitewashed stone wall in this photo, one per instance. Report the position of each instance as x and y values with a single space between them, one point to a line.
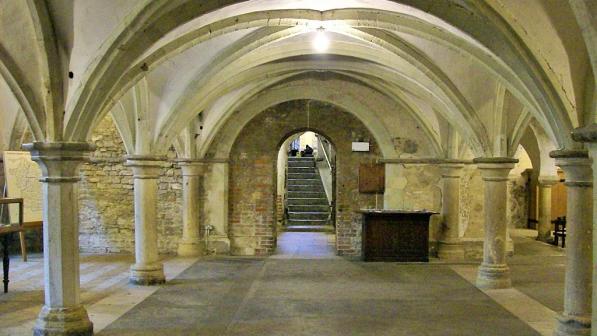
106 211
472 212
518 202
421 189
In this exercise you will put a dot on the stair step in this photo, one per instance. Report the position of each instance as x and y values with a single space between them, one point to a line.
301 170
305 187
306 222
303 175
312 181
309 228
305 194
308 215
301 164
308 208
307 201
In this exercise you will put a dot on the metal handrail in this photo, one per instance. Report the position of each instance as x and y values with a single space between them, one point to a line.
325 154
327 160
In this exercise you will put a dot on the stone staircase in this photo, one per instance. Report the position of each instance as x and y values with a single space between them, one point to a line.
308 208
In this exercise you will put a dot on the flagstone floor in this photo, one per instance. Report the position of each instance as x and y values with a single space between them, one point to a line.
303 290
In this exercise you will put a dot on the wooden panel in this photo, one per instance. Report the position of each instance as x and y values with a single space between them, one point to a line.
558 198
372 178
396 237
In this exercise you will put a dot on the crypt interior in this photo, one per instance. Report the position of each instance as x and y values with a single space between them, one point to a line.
298 167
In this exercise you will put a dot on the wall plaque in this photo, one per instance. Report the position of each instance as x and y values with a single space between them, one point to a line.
372 178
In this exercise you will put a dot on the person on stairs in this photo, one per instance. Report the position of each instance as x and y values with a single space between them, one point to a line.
308 152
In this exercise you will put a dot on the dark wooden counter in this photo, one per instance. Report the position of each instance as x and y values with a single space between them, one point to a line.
395 235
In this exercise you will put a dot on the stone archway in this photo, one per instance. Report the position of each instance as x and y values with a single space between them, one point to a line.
252 173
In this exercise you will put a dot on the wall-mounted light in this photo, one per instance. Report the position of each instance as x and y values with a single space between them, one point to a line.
321 42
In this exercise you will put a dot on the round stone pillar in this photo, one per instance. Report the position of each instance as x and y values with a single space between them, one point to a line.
450 244
147 270
494 272
576 317
62 313
544 200
190 245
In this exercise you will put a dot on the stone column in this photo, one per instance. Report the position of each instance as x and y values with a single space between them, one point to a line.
494 272
147 270
544 208
450 245
190 245
62 313
576 318
216 204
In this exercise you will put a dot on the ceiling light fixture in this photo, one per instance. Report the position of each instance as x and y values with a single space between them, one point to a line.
321 42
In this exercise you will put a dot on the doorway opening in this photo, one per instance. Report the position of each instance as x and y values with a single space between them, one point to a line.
306 188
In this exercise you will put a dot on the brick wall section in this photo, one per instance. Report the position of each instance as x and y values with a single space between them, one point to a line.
280 209
253 158
106 209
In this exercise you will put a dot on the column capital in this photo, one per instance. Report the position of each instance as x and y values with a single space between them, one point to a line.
495 168
569 154
495 160
585 134
191 167
145 166
576 164
548 180
451 170
59 161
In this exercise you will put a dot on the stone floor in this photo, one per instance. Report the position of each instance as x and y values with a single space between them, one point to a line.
304 290
305 245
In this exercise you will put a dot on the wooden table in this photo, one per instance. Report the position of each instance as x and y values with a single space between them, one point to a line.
6 231
395 235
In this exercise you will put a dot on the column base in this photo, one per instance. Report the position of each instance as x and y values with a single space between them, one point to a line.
494 276
567 325
147 275
509 246
190 248
451 250
63 321
546 238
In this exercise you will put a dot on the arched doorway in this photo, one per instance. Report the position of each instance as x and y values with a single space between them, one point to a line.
253 180
305 199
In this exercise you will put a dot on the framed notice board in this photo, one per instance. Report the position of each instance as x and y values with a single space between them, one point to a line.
22 181
372 178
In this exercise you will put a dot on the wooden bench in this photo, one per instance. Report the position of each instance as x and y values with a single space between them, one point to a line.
559 231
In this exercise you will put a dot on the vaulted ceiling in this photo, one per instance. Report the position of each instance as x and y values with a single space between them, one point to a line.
485 73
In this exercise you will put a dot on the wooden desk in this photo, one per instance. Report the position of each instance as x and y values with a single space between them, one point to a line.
6 232
395 235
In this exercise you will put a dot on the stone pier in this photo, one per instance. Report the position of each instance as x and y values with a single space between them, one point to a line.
450 245
494 273
576 317
62 313
544 199
190 244
147 270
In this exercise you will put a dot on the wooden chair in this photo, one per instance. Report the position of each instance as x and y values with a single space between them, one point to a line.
559 231
6 232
